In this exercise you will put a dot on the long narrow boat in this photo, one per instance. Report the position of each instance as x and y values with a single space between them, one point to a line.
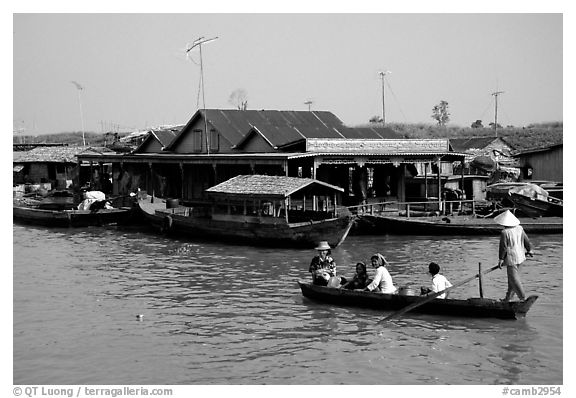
259 210
71 218
451 225
63 213
471 308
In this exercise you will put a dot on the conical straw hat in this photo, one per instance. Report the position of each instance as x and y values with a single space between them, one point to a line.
507 219
323 246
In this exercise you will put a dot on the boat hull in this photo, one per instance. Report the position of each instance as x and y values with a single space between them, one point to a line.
267 231
470 308
458 225
72 218
536 207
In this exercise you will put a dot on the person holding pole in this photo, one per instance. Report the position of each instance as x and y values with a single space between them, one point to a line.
514 246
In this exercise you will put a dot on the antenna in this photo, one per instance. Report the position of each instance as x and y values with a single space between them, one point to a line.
383 76
309 103
496 94
80 88
198 43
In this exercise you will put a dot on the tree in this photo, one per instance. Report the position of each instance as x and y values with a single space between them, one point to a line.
440 113
239 98
477 124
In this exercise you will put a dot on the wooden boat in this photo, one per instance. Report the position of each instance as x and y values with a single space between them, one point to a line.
547 206
71 218
259 210
451 225
29 212
471 308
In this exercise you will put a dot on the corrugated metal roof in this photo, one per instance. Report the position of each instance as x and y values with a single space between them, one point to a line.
464 144
266 186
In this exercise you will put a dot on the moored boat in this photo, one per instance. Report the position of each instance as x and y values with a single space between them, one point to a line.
471 308
71 218
536 205
451 225
58 213
259 210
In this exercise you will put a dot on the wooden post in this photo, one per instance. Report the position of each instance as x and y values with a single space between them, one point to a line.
426 180
440 185
181 180
286 209
480 280
335 210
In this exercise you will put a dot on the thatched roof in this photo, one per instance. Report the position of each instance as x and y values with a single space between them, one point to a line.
61 154
276 187
65 154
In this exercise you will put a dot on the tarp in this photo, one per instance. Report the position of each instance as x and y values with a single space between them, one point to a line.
483 162
531 191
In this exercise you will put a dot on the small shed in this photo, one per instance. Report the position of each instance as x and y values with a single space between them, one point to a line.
54 165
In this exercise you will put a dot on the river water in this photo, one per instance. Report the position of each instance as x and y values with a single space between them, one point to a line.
217 314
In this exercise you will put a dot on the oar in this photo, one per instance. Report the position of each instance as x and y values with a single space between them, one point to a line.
433 296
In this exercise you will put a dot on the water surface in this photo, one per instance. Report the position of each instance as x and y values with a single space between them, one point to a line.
217 314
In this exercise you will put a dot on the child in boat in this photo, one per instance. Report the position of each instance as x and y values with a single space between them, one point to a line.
439 282
382 281
360 279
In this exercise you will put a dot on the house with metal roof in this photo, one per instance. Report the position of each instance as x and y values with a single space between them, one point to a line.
216 145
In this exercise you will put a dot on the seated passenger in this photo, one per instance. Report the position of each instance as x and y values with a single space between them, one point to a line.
322 266
382 281
439 282
360 279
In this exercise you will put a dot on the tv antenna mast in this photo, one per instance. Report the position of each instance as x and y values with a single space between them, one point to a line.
383 77
80 88
309 103
496 94
198 43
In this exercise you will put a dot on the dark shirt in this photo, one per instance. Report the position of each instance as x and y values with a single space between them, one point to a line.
317 264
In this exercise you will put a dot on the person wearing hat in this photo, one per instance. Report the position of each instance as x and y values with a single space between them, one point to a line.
514 246
382 281
322 266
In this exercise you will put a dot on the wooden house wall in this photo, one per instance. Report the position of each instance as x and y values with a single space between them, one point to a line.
38 172
193 140
151 146
546 165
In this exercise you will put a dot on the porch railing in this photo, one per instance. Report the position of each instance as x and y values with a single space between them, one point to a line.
407 209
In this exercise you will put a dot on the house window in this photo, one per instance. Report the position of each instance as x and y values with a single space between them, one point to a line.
214 141
197 140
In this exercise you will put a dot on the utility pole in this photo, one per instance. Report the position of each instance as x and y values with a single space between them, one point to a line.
80 88
496 94
382 76
198 43
309 103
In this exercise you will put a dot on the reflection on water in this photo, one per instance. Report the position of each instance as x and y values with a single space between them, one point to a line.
215 314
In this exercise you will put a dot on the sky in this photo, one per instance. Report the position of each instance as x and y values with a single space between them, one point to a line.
135 74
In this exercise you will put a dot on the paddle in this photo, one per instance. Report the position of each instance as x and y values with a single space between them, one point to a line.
433 296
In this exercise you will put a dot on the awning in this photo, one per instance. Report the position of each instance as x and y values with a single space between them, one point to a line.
18 168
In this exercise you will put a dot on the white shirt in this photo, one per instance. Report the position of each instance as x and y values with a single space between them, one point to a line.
383 280
439 283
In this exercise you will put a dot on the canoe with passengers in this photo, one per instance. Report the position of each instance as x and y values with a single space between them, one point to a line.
470 308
